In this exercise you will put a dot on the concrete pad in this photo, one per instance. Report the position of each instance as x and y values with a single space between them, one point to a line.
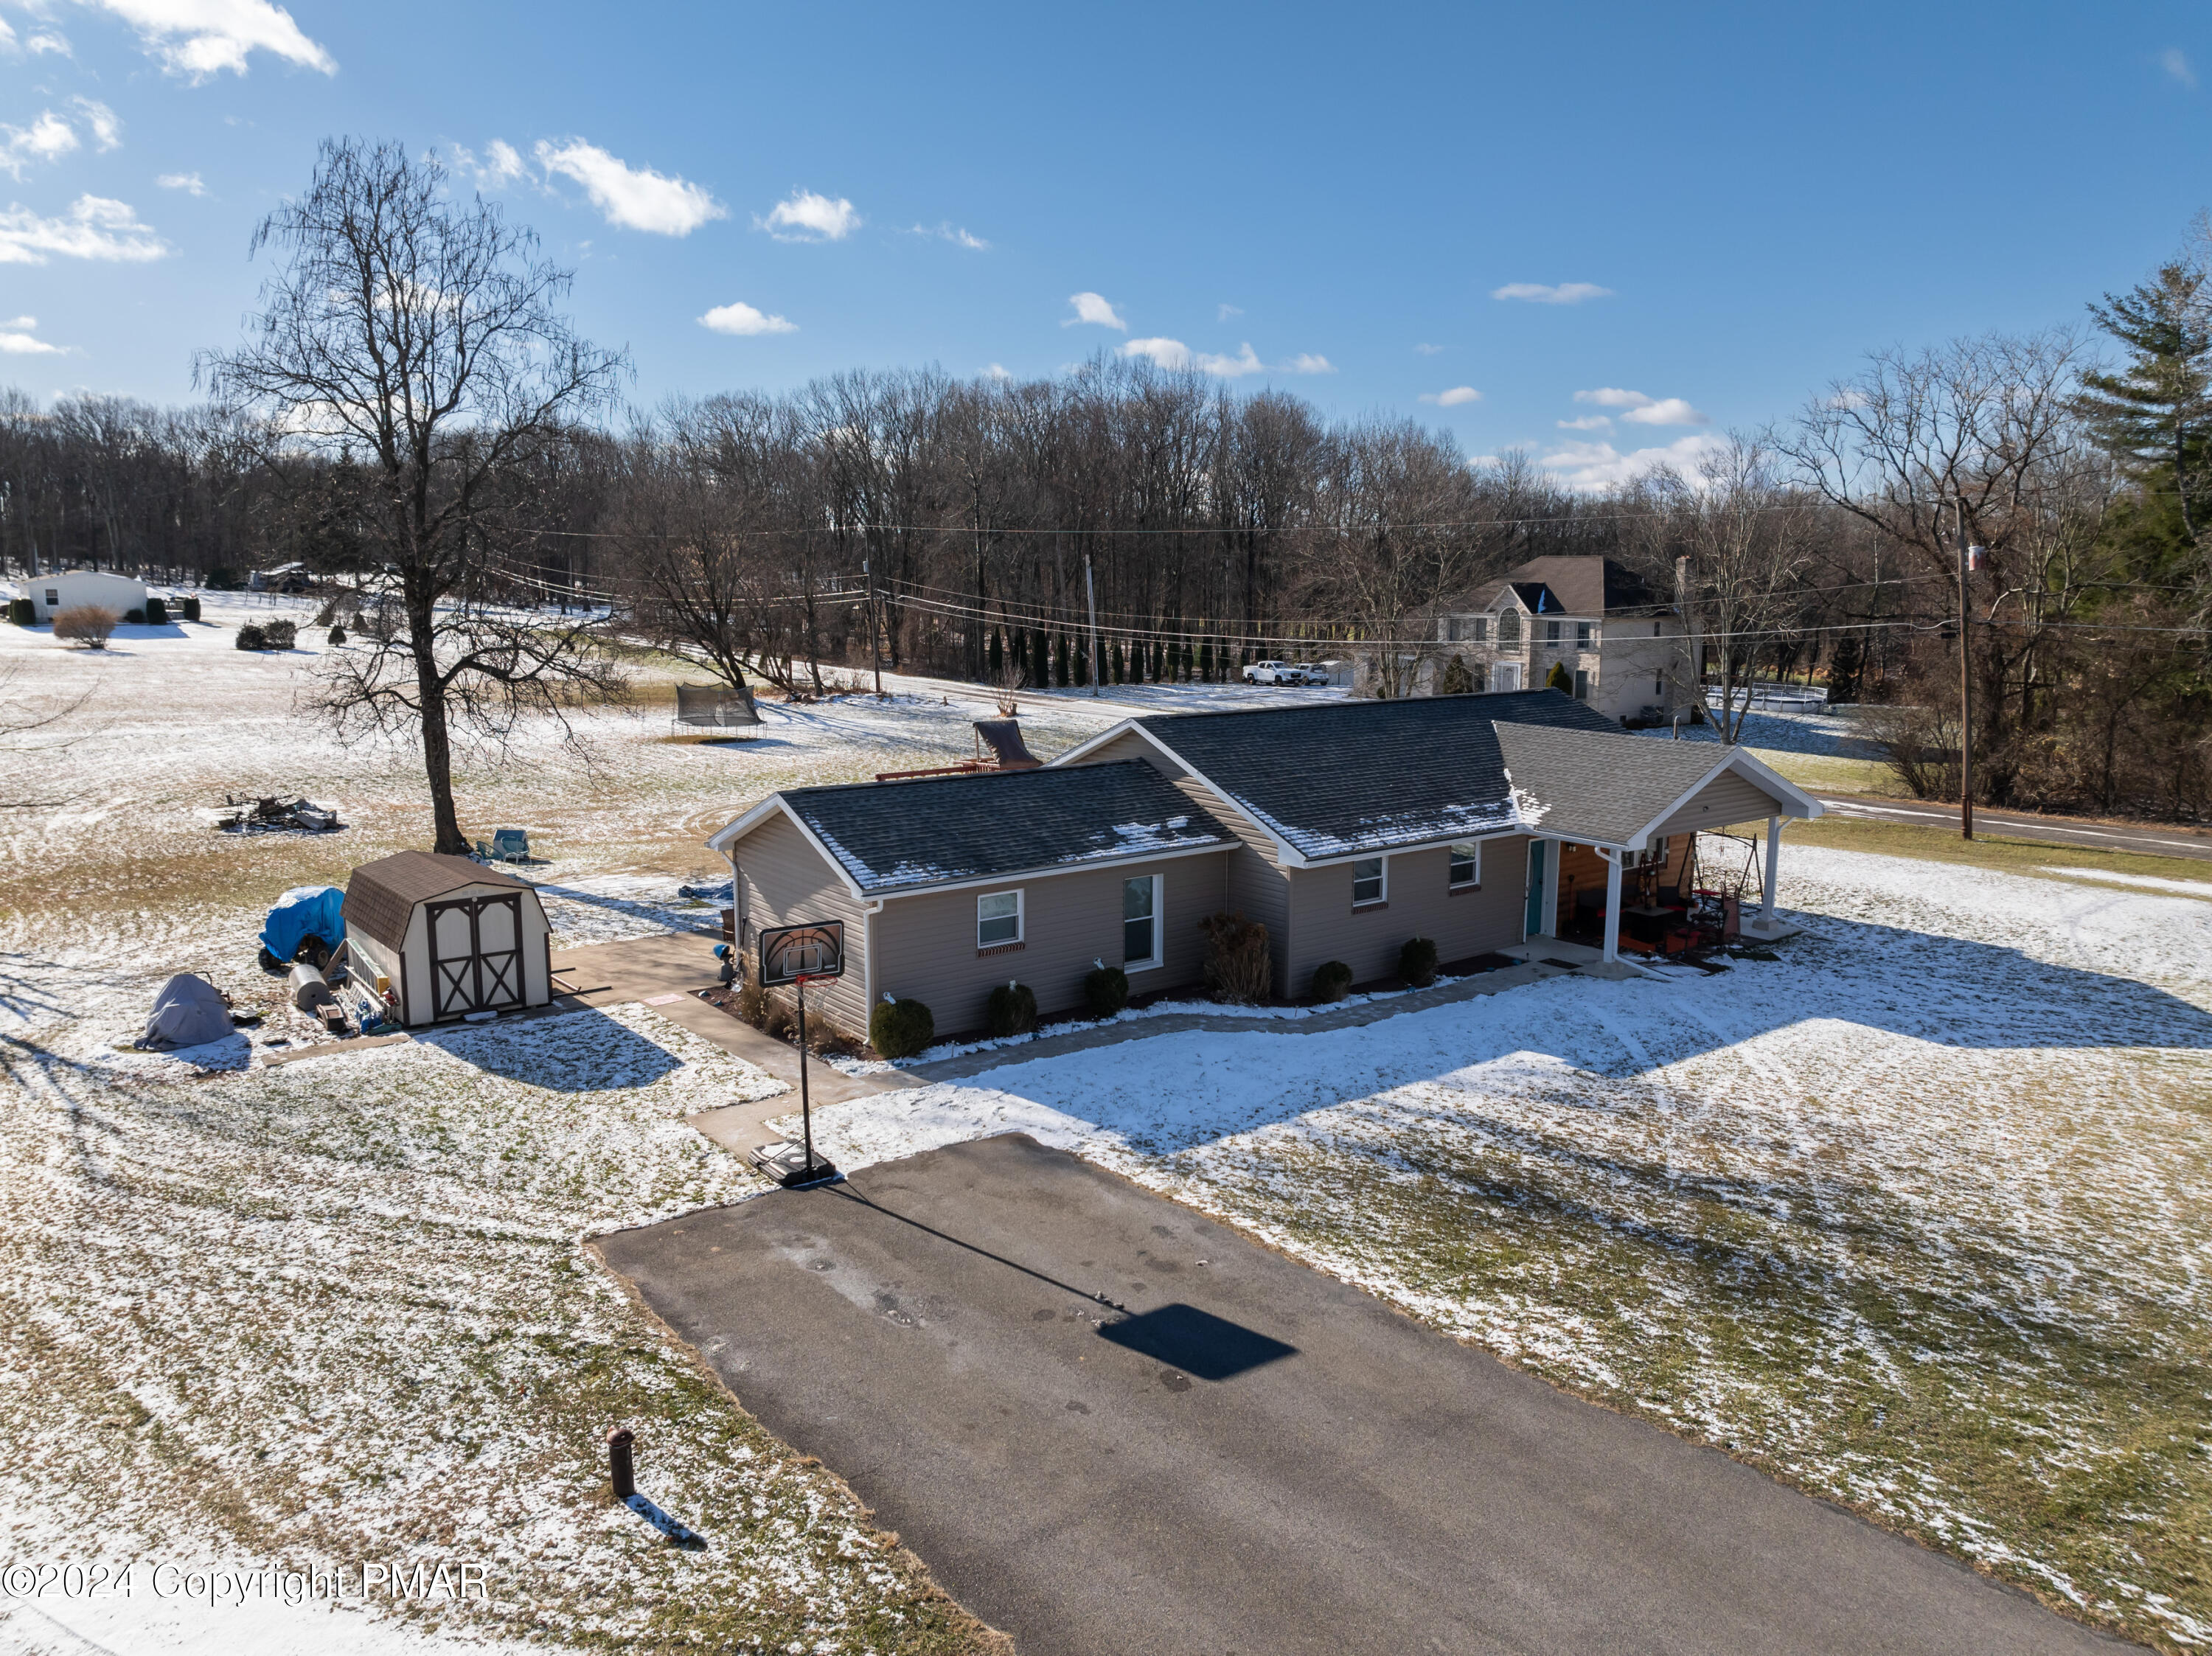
1112 1428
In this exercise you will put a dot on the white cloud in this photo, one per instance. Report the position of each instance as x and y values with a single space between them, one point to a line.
1093 307
1232 367
1667 411
738 317
1165 353
1612 397
1591 467
636 198
188 182
201 38
1308 363
809 217
17 339
7 36
1428 350
47 40
106 129
997 371
1452 398
500 166
1587 422
945 230
2176 63
96 228
1223 312
48 139
1566 292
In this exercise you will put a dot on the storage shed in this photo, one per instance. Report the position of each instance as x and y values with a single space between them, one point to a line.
72 588
452 935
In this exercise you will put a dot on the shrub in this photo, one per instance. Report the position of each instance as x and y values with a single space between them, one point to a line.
223 579
1332 980
751 1003
1417 962
251 637
337 635
1559 679
279 634
777 1020
1011 1010
134 617
193 608
1105 991
1456 679
827 1039
899 1028
22 612
157 613
87 623
1238 968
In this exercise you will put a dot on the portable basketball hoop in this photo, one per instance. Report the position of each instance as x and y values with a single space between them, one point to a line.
799 956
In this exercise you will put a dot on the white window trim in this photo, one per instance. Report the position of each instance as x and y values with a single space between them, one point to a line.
1021 918
1451 884
1380 897
1158 956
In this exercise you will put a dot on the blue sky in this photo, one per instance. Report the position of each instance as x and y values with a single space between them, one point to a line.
1745 199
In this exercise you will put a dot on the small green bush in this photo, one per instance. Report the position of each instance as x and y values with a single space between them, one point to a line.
1105 991
899 1028
337 635
157 613
22 612
279 634
193 608
251 637
1011 1010
134 617
1417 962
1332 980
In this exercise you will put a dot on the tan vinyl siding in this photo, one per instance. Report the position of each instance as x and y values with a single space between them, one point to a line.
1729 798
1324 925
926 948
783 880
1132 744
1253 885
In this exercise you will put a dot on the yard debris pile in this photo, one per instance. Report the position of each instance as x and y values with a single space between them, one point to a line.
274 814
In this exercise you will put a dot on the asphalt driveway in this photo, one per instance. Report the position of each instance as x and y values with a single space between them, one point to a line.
1231 1452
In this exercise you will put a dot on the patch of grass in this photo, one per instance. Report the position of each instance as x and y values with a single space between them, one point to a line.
1833 772
2007 856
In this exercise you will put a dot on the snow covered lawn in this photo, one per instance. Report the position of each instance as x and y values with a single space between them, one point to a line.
1918 1216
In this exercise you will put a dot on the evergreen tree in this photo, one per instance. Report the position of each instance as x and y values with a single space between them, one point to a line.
1159 661
998 656
1120 664
1060 660
1559 679
1206 662
1456 679
2156 412
1040 671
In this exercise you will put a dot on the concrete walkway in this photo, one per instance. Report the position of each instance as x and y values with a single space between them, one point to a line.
666 971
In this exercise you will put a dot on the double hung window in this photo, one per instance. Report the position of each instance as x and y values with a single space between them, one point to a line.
1140 922
1367 881
997 918
1465 864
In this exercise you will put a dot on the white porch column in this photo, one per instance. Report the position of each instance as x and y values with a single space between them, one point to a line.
1773 873
1551 889
1611 903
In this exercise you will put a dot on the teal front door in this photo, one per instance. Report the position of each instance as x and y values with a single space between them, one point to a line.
1533 921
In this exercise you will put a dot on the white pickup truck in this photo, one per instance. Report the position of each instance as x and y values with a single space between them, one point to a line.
1278 673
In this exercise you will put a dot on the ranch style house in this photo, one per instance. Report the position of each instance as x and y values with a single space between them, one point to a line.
1480 822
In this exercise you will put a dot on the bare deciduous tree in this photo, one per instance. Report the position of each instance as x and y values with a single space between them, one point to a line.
419 338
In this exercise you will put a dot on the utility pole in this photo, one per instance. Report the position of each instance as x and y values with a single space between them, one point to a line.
1966 686
1090 600
875 638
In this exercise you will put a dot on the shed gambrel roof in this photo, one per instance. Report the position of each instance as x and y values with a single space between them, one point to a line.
1348 777
380 896
890 837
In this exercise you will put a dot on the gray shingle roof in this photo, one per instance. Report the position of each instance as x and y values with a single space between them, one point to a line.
900 836
1585 785
1582 585
1353 776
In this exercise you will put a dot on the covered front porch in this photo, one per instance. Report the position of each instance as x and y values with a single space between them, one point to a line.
1646 863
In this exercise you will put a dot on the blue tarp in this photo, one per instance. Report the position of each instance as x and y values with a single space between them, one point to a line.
305 911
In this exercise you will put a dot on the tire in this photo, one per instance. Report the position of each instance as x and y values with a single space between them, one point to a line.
271 965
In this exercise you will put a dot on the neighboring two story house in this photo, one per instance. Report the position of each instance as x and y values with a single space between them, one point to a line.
1625 649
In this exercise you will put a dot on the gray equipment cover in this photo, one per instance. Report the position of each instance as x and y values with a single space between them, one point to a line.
188 1012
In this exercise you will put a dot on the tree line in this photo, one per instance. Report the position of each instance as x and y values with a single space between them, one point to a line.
411 413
